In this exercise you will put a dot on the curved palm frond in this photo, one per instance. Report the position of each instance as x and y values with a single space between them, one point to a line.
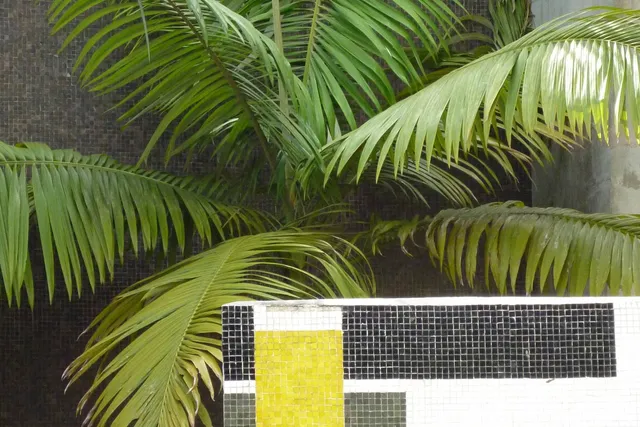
511 19
342 50
89 209
459 46
170 324
441 179
206 69
571 70
444 178
383 232
570 249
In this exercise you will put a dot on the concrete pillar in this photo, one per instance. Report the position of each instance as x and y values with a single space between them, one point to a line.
598 178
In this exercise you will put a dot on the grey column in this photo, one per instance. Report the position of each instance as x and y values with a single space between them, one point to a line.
598 178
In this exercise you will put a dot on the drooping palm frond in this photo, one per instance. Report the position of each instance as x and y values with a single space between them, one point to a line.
450 180
572 70
440 179
209 73
511 19
463 43
89 209
476 36
381 233
342 49
170 324
571 250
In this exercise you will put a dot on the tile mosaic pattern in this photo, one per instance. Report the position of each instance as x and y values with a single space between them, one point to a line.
238 343
375 409
448 362
299 379
240 410
473 341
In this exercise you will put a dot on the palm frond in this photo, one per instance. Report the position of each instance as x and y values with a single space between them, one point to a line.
206 69
167 329
459 46
511 19
571 250
89 209
381 233
414 183
342 50
571 70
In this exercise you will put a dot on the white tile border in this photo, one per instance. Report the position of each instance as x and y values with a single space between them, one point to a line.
441 301
278 317
239 387
512 402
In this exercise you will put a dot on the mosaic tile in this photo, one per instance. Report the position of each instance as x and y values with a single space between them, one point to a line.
375 409
240 410
238 343
444 362
299 379
472 341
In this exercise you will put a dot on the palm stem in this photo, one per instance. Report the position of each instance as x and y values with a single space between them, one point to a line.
277 35
312 34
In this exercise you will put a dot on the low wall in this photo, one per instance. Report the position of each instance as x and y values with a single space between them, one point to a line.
433 362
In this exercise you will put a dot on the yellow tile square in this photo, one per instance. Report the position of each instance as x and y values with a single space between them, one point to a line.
299 379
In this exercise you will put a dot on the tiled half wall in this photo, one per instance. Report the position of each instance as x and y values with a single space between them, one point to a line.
484 362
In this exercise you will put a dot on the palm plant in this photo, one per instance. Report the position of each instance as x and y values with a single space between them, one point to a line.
320 96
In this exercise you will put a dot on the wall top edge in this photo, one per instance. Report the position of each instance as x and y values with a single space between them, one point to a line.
438 301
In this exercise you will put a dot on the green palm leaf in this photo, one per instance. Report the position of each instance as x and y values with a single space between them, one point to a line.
446 178
572 250
572 69
342 50
88 209
445 181
166 330
209 73
511 19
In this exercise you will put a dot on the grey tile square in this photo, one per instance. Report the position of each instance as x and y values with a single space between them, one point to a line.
375 409
239 410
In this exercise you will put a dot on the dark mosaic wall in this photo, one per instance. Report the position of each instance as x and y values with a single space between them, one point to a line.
40 101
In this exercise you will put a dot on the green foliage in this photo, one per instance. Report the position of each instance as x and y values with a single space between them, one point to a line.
345 52
511 19
170 324
519 247
569 249
209 73
570 69
89 209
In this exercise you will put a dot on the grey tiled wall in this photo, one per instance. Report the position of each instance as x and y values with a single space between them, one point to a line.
40 101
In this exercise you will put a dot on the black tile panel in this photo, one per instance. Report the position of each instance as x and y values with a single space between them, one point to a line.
238 344
479 341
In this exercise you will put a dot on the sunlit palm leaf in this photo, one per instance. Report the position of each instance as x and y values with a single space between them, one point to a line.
572 250
88 209
452 180
206 69
170 324
573 69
